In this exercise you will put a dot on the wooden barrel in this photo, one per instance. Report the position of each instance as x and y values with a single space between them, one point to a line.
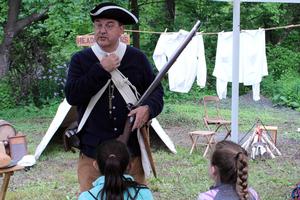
6 130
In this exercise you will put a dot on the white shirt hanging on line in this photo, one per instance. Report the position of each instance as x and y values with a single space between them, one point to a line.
189 65
252 64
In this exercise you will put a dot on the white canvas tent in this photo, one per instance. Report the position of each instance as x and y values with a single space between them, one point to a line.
66 114
235 67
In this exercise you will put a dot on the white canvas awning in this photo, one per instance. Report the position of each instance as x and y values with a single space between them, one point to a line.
66 114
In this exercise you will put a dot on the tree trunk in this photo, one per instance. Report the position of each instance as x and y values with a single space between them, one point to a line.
5 54
13 12
135 35
4 60
12 28
170 14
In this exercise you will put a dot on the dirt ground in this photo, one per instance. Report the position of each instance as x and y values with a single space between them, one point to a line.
289 125
180 138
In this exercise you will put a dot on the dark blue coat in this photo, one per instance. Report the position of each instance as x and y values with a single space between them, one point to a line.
86 77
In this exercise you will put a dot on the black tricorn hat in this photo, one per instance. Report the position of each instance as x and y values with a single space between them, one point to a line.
113 11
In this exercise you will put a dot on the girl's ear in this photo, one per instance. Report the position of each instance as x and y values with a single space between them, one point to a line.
95 164
128 167
213 172
213 169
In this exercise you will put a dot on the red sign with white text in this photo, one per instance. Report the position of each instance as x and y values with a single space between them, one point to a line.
88 40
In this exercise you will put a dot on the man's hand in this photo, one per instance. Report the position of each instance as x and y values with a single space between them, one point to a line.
141 116
110 62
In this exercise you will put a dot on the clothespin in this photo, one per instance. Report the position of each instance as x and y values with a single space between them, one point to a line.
199 33
165 31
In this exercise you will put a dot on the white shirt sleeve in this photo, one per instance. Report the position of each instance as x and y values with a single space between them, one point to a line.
159 54
201 62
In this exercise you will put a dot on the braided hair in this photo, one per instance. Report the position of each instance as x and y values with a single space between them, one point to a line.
113 159
231 161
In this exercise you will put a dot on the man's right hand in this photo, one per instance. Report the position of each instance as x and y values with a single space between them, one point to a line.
110 62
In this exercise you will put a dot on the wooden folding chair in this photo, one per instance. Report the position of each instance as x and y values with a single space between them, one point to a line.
214 117
208 135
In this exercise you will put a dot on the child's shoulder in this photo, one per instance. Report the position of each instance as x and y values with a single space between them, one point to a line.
143 192
254 194
208 195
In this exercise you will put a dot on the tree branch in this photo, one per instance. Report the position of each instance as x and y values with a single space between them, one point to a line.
21 24
151 2
12 15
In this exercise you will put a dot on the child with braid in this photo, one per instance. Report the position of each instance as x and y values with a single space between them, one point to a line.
112 161
229 170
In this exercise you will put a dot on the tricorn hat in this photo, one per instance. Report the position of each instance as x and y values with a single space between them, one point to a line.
113 11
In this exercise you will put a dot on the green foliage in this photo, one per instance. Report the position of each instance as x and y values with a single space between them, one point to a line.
5 95
194 95
51 42
287 90
31 76
283 83
282 60
3 9
66 21
21 113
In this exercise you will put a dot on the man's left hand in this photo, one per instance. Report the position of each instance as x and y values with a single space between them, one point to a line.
141 116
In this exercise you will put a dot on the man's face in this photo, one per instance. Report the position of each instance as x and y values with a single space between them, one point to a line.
107 33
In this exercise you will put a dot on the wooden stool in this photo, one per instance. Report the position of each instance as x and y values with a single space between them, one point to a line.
208 135
273 131
8 172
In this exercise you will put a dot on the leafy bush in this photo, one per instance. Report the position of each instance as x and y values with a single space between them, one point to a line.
5 95
32 77
283 83
287 90
194 95
51 84
281 60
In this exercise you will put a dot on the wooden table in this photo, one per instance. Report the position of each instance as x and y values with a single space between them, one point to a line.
7 173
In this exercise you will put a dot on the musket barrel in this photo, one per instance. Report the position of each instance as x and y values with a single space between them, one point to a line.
167 66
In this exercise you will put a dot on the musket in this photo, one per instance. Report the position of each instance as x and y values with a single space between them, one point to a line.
130 120
169 64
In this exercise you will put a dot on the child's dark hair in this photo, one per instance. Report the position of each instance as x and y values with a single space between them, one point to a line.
231 161
112 159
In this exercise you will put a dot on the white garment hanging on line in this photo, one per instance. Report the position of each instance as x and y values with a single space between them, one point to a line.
189 65
252 65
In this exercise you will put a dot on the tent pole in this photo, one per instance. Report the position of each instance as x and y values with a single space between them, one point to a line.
235 72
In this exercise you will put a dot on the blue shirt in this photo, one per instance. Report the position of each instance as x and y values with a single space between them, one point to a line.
143 193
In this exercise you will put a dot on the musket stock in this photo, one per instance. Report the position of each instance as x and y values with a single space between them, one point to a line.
127 130
129 122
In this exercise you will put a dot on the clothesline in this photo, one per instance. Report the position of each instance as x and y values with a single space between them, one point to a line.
252 68
215 33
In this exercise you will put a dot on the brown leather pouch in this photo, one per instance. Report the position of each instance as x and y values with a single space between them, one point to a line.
70 138
17 147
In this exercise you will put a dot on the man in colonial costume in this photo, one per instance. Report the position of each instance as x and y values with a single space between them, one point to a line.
93 72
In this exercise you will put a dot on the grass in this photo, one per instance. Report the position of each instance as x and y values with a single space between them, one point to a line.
180 176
